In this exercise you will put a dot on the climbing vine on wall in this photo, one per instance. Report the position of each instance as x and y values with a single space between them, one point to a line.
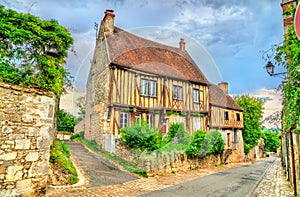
288 55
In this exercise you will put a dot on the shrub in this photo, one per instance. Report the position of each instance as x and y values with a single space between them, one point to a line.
246 148
60 154
218 143
204 143
177 134
196 144
141 136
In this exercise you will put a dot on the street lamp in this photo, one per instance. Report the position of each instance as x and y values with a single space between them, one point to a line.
270 69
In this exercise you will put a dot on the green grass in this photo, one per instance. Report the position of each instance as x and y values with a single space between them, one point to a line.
60 154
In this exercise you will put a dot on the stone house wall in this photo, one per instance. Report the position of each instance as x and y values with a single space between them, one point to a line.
27 128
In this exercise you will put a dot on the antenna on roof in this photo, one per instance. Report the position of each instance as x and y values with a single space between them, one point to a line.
96 28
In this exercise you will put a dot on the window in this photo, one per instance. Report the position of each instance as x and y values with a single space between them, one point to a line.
148 88
235 137
152 88
150 118
144 87
124 120
176 119
177 92
238 117
196 95
226 117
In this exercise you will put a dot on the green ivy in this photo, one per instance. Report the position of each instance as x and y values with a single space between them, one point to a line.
33 51
288 55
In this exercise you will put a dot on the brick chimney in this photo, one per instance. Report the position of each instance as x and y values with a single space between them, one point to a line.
287 20
224 86
182 44
109 21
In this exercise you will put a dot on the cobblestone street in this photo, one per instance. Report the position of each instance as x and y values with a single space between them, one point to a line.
274 183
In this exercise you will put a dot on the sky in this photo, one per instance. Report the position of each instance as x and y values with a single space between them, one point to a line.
224 37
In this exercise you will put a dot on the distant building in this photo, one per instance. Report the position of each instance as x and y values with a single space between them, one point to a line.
226 116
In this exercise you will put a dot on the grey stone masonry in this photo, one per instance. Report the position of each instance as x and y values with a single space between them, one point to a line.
26 131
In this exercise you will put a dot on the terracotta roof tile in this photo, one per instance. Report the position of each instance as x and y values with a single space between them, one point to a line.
219 98
129 50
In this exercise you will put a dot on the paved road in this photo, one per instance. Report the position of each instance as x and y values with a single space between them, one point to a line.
234 182
98 170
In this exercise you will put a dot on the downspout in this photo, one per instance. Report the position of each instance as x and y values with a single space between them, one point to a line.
293 164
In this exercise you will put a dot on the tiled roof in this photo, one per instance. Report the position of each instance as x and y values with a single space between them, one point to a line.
128 50
219 98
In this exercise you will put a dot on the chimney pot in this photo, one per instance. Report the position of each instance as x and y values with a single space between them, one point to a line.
182 44
109 21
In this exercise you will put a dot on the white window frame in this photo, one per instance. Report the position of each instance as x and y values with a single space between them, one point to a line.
148 88
144 87
152 88
123 120
177 92
196 96
150 119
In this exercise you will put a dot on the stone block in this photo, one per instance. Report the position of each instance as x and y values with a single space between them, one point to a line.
6 129
8 156
2 170
14 173
32 156
10 142
27 118
16 136
22 144
5 146
37 169
42 143
23 186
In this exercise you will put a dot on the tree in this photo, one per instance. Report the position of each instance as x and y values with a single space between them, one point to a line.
81 104
271 140
65 121
252 114
33 51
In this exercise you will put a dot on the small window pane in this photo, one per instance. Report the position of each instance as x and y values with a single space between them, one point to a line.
152 88
144 87
123 120
196 95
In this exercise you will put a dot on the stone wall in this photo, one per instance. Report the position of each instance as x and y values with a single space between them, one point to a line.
157 162
27 129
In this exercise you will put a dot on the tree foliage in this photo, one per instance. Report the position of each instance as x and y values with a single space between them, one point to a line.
81 104
204 143
271 140
65 121
252 114
33 51
288 55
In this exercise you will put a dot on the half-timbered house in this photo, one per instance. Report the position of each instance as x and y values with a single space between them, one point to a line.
132 78
226 116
